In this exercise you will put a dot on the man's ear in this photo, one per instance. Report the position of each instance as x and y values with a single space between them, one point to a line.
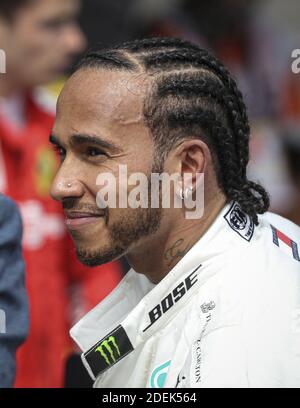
190 156
190 159
193 156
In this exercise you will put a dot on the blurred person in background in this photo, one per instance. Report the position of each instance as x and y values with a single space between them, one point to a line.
13 297
40 38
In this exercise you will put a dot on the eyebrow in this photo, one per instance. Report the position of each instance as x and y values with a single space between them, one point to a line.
80 139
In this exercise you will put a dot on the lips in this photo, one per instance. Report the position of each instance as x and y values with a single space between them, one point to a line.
78 219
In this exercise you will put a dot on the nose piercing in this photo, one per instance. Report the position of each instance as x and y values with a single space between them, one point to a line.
69 185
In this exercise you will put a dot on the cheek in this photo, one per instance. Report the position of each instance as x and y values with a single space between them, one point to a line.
14 51
142 158
37 44
116 185
89 177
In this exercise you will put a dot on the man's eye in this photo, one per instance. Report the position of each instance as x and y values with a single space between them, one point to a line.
60 151
94 152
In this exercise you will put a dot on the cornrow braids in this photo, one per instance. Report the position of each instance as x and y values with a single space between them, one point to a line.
148 44
192 95
108 59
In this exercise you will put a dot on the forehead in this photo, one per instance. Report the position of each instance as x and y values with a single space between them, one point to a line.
51 8
95 99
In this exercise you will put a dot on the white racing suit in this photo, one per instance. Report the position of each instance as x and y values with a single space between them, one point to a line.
227 315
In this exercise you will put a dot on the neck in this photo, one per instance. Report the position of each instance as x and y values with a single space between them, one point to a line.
158 256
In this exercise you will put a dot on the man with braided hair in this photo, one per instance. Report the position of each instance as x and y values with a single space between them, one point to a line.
212 301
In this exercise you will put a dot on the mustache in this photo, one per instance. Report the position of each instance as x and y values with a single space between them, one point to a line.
73 204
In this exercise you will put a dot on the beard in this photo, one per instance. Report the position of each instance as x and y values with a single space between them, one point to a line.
128 230
122 235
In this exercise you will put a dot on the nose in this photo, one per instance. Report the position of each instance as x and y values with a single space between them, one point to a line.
66 186
75 41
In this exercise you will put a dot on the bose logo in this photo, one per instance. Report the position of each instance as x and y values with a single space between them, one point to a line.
172 298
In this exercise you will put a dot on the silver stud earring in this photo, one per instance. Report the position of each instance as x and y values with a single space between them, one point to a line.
184 194
180 193
188 191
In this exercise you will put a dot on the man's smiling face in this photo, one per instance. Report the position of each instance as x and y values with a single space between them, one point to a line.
99 126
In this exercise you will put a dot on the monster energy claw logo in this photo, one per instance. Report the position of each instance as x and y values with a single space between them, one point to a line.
106 350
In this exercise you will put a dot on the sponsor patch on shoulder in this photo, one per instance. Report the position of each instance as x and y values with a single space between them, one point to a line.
107 352
240 222
285 243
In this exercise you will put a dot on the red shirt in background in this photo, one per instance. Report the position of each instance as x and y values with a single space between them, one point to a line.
60 289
